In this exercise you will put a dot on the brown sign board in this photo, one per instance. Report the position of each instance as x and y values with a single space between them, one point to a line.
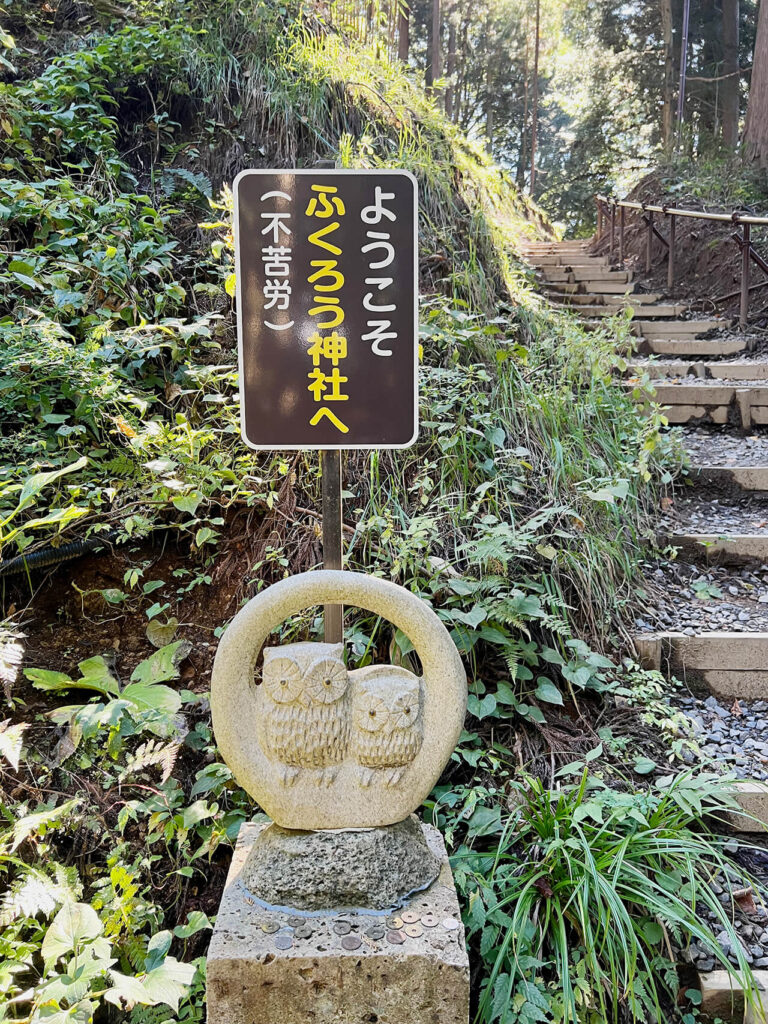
327 289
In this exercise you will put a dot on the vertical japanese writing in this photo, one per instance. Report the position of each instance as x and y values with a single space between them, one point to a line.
379 327
327 347
277 259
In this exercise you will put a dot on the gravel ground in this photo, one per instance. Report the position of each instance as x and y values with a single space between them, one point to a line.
716 448
715 513
734 737
692 599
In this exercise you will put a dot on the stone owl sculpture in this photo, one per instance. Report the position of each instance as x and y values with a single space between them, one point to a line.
305 709
387 725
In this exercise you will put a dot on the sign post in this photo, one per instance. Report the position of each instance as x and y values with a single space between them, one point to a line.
327 289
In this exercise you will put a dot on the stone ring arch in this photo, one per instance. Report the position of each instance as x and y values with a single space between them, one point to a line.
235 708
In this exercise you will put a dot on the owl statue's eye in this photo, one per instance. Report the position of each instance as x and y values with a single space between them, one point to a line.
372 715
283 680
327 680
405 710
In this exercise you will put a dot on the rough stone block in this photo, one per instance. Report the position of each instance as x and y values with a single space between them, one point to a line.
273 966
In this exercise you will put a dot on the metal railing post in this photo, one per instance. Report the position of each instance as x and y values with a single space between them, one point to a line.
671 263
649 243
613 229
621 236
744 305
599 220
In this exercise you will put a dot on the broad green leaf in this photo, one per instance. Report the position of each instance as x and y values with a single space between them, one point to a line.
74 924
196 922
163 664
152 697
547 691
38 822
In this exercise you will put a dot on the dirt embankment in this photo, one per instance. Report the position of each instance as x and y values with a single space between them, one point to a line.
707 257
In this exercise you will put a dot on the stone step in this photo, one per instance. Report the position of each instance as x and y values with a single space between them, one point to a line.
713 402
602 287
682 328
639 312
744 478
717 371
728 665
561 288
557 275
691 346
634 299
722 997
570 261
725 549
573 299
592 276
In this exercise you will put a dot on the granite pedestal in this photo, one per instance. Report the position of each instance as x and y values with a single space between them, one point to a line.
269 965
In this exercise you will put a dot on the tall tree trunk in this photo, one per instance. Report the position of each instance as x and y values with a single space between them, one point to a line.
730 87
403 29
522 159
668 103
756 127
434 65
535 116
683 69
450 66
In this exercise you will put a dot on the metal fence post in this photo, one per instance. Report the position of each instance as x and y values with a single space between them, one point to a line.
745 246
613 228
671 263
649 243
621 236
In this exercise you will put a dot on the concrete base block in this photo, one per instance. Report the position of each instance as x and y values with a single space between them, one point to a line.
721 996
338 968
753 800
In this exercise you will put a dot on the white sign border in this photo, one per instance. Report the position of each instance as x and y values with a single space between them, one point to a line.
327 171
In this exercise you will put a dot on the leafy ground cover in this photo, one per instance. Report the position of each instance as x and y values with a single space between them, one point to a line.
521 515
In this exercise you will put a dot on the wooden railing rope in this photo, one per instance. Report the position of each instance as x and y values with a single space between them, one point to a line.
744 220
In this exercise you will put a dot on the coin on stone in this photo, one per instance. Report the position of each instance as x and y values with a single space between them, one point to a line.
342 927
413 931
270 927
283 941
396 937
304 931
296 922
395 922
450 924
376 932
430 921
351 942
410 917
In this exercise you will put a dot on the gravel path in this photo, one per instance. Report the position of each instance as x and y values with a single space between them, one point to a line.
714 513
715 448
693 599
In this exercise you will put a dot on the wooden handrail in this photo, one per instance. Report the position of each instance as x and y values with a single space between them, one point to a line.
732 218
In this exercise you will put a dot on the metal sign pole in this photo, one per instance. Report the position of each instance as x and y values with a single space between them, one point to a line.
330 462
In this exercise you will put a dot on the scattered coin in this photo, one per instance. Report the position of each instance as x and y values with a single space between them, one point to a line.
304 931
270 927
450 924
430 921
296 922
342 927
410 917
283 941
395 922
351 942
413 930
376 932
395 937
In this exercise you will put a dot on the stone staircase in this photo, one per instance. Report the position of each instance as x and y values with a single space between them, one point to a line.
704 376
